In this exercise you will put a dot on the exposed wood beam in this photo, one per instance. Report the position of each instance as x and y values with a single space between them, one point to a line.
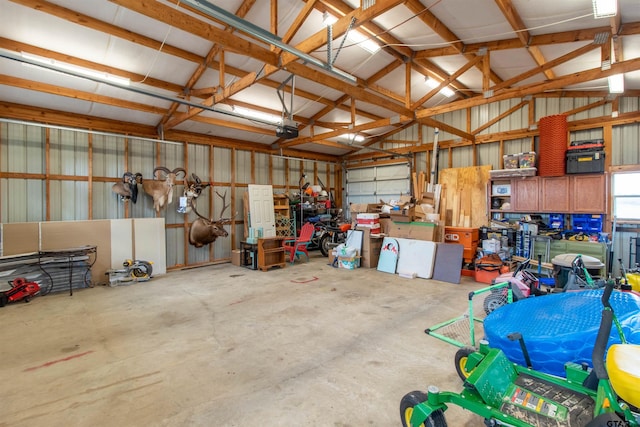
134 77
516 22
532 89
587 34
586 107
354 129
499 117
426 16
447 128
550 64
394 47
204 65
474 61
75 94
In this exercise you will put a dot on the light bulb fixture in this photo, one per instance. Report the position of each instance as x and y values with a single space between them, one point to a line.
433 83
63 66
363 41
328 19
605 8
447 91
258 115
353 137
616 83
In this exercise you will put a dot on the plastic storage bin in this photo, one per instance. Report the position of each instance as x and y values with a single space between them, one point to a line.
511 161
586 223
527 160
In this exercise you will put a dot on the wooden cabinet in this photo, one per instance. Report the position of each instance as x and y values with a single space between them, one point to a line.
554 194
580 193
524 194
270 253
589 193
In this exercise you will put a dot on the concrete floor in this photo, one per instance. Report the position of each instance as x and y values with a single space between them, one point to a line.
226 346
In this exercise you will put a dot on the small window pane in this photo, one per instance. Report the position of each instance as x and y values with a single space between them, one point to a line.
627 208
626 184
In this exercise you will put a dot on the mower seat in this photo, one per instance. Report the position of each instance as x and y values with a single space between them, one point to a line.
623 367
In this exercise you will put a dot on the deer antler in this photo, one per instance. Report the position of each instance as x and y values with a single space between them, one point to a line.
224 201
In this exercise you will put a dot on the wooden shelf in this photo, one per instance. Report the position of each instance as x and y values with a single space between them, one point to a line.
271 253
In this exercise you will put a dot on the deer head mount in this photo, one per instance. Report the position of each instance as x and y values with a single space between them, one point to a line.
162 190
192 190
206 230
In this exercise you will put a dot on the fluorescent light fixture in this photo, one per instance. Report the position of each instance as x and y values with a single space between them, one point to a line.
433 83
258 115
616 83
447 91
76 69
605 8
353 137
328 19
363 41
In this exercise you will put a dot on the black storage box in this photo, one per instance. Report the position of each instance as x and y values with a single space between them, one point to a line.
585 162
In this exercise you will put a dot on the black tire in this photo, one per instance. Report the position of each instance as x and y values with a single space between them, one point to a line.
325 241
492 302
461 360
409 401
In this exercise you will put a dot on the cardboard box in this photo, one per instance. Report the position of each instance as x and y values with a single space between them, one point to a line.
414 230
371 247
349 263
403 215
235 257
363 208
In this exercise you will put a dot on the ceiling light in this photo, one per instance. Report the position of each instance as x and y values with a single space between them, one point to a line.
258 115
432 83
605 8
353 137
328 19
363 41
616 83
76 69
447 91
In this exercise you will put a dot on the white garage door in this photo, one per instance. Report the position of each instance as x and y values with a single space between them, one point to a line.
369 185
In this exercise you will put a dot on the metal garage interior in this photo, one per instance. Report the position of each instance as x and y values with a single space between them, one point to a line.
351 94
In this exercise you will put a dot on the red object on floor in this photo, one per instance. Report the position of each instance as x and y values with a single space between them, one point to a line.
20 290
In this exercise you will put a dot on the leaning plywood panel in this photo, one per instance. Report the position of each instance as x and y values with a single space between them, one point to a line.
464 202
59 235
121 241
150 243
20 238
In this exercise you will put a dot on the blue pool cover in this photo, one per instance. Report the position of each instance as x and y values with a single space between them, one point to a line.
560 328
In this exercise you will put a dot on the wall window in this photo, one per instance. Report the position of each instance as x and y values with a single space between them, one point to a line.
626 196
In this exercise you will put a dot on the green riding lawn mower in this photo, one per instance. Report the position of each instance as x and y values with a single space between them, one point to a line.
505 393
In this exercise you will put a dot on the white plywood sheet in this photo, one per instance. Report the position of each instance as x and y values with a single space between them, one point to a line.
150 243
121 241
416 256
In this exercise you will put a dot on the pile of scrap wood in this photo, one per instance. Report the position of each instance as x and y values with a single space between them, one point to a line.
427 197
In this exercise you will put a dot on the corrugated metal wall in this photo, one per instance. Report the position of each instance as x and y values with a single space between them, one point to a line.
64 174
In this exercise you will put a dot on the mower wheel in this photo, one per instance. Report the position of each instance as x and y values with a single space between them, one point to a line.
461 360
409 401
493 301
